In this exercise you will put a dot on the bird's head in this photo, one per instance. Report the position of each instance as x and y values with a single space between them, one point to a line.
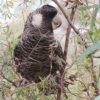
46 13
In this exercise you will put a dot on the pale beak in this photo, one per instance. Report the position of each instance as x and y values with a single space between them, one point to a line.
56 23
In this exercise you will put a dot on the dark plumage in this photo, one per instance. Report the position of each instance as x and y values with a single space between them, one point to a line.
38 54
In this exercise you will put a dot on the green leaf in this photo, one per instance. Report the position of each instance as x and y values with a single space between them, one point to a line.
89 51
91 6
8 4
93 19
94 6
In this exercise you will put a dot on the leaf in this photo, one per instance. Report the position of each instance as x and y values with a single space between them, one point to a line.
89 51
94 6
97 98
93 19
91 6
8 4
94 35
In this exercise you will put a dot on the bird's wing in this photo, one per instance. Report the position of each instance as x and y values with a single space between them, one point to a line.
58 63
17 53
58 50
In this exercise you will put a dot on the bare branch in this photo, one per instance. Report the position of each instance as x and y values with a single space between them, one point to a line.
13 83
68 34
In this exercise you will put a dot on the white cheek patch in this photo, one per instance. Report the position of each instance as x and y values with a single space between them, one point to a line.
37 20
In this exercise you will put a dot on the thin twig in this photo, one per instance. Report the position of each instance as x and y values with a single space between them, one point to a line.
85 87
13 83
96 56
68 34
77 95
94 77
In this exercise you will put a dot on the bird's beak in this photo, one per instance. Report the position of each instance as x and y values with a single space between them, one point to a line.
56 23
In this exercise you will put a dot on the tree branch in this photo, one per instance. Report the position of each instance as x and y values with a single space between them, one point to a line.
13 83
60 90
68 34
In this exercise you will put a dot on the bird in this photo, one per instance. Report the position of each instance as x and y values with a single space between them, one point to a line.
37 53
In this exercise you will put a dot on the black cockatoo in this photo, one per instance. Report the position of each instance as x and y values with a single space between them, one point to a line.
38 54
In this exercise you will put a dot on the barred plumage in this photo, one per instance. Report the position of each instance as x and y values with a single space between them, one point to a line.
33 55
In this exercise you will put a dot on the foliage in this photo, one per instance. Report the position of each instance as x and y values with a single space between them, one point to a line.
83 62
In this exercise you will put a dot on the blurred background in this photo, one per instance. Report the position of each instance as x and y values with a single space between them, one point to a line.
83 63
